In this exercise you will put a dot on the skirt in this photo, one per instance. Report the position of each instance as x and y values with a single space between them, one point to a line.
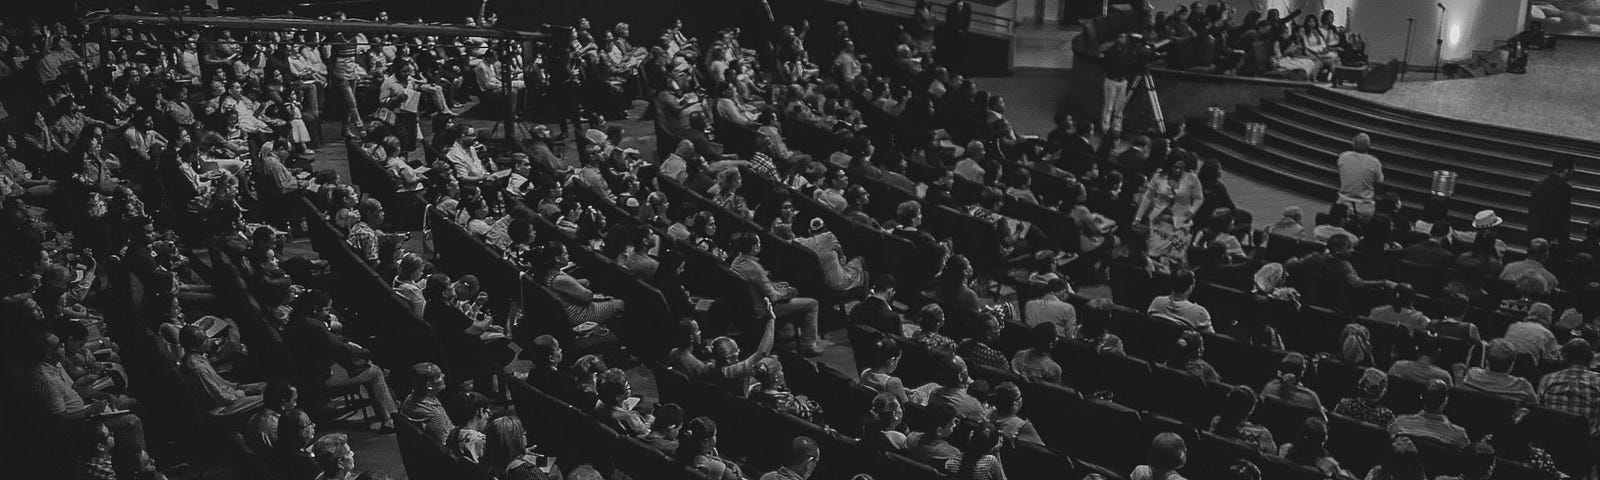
298 131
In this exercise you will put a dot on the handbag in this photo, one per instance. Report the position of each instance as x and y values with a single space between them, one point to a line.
385 115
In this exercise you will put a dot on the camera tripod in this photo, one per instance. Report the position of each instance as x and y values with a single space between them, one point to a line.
1149 83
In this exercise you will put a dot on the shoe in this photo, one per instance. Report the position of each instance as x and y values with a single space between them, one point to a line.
810 351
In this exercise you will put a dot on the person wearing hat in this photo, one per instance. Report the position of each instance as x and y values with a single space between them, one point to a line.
1360 174
1483 221
1368 405
1550 205
1575 389
841 274
1050 308
1497 379
1431 423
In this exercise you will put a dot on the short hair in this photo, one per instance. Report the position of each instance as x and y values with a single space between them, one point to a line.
936 416
426 373
1293 363
1538 249
745 242
884 281
931 317
1339 243
329 450
1435 394
544 346
1044 336
279 395
1167 451
612 384
1183 280
462 406
1361 142
667 415
803 448
907 211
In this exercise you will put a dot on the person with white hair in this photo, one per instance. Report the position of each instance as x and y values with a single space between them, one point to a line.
1360 173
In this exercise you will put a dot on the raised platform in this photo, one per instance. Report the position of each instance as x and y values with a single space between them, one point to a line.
1556 96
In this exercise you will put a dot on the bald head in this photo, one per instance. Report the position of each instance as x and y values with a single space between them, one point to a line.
1361 143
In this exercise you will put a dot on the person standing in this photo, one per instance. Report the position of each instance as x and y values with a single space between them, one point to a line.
1360 173
1550 206
1121 66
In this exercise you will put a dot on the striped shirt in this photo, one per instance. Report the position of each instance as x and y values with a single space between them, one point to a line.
1432 426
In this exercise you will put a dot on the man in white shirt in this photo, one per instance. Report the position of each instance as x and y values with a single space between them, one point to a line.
463 157
1360 173
1049 308
1538 253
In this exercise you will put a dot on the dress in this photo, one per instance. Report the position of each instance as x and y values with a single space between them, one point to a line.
297 123
580 303
840 275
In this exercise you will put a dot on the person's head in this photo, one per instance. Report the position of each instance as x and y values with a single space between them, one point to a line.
1500 355
953 372
957 270
688 333
1373 384
1168 452
1539 249
886 355
1238 405
545 351
909 213
614 387
1292 368
504 441
1183 282
1191 346
1340 246
938 420
668 420
724 350
280 396
1478 461
746 243
976 440
467 407
1007 399
429 378
698 436
1577 352
295 430
1313 436
1435 395
885 412
193 340
1044 337
931 317
803 456
333 454
94 439
1404 461
1563 167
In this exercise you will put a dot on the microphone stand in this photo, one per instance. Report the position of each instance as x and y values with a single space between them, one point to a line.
1410 23
1438 42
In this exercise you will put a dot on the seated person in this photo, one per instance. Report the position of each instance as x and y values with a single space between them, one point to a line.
697 449
953 383
582 305
615 393
65 407
1431 423
881 428
470 413
786 302
422 406
1368 405
930 319
664 430
877 310
1035 362
261 431
772 391
927 443
1007 400
879 374
221 396
1287 386
1177 308
978 348
1233 422
323 360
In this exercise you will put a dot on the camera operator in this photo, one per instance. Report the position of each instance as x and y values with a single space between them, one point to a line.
1124 62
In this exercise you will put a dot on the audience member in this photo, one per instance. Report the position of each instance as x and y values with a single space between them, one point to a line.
1368 405
1431 422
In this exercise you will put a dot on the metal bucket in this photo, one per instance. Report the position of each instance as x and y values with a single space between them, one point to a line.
1444 183
1215 116
1254 132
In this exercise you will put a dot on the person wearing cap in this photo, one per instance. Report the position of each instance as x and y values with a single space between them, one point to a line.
1360 173
1368 406
1550 205
1538 253
1050 308
803 458
1575 389
1167 454
1431 423
1497 380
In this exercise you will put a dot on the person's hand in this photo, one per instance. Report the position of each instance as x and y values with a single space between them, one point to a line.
97 407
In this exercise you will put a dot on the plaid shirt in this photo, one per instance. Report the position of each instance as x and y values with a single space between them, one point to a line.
1574 390
976 352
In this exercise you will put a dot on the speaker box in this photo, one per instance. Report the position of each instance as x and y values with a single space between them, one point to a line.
1381 78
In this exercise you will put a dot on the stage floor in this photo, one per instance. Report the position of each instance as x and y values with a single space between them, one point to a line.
1560 94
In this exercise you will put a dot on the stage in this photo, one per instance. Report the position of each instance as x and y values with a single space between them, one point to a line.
1560 94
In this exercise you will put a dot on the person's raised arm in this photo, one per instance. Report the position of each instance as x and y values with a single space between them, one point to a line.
765 347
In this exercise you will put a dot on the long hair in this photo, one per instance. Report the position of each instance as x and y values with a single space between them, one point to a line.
695 440
506 440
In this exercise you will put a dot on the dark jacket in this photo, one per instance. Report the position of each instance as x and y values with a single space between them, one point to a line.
1550 210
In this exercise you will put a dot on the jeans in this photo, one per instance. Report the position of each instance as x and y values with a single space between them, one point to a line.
803 311
1116 99
371 378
